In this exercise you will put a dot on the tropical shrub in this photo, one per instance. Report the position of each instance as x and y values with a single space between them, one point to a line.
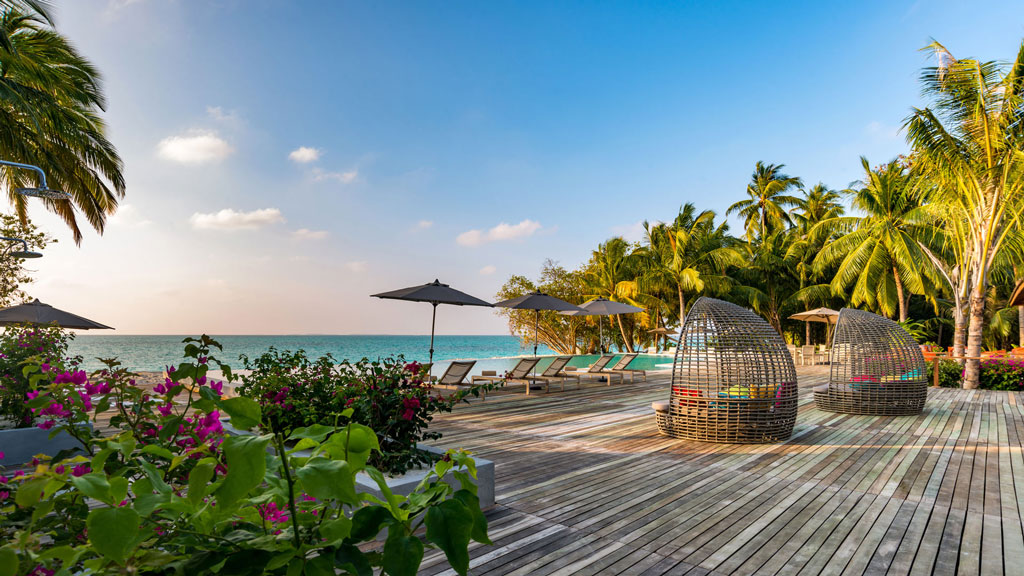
388 395
20 345
166 491
951 374
1002 374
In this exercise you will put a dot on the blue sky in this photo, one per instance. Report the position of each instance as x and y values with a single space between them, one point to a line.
285 159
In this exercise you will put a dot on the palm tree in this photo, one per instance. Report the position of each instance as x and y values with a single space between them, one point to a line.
970 144
768 281
879 255
612 274
817 205
689 256
50 99
764 211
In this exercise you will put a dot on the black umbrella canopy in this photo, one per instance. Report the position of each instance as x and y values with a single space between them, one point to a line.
602 306
538 301
433 293
35 312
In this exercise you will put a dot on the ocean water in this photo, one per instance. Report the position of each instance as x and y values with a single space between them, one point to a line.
153 353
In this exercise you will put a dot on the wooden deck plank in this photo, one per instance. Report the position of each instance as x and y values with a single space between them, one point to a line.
586 485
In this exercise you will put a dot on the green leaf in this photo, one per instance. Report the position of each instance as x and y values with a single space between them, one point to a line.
246 463
95 486
118 489
245 412
157 451
326 479
336 529
368 521
113 531
402 554
449 525
352 560
30 492
315 432
319 566
199 478
155 477
470 501
8 562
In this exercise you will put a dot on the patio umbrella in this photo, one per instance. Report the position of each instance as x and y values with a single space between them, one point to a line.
662 332
537 301
433 293
827 315
604 307
35 312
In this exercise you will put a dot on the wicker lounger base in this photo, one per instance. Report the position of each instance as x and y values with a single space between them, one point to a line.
725 426
867 404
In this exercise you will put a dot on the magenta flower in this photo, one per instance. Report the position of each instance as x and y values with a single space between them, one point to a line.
80 470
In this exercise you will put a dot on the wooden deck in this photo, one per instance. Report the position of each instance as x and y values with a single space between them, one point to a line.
586 485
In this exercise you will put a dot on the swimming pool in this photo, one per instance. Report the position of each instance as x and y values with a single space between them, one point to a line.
501 365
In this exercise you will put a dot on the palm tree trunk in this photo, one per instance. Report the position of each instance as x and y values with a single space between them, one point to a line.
959 330
972 370
807 333
899 294
622 330
1020 326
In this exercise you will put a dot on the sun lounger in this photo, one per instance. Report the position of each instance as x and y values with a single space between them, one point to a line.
597 370
622 367
554 373
518 373
456 373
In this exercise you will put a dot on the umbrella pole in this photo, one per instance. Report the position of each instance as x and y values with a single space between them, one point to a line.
600 337
433 321
536 330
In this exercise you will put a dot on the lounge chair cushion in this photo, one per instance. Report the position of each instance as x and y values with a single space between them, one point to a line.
660 406
822 389
489 373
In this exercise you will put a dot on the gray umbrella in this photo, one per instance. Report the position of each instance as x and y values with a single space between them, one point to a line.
604 307
35 312
434 293
538 301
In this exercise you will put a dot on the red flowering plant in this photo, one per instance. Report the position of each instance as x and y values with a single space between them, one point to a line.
163 490
21 345
392 397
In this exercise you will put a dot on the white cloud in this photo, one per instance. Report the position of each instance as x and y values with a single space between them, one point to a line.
424 224
357 267
307 234
304 155
220 114
632 232
487 270
343 177
499 233
228 219
128 216
195 147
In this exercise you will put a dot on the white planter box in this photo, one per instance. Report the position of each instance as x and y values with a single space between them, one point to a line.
20 445
404 484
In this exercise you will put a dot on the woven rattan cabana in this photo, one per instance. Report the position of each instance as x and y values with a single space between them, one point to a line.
876 368
733 380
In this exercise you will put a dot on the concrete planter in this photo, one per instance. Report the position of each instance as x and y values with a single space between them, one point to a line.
404 484
20 445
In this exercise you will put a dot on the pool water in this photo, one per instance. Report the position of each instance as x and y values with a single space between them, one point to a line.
501 365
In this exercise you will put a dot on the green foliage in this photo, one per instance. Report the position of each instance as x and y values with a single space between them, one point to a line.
951 374
556 331
20 346
172 494
49 112
386 395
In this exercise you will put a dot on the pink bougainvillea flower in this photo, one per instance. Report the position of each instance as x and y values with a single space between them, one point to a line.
46 425
80 470
165 409
59 468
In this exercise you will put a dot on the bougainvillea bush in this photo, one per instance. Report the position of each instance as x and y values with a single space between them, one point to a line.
388 395
21 345
1005 373
165 491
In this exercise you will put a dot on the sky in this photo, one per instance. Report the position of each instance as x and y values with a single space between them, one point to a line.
284 160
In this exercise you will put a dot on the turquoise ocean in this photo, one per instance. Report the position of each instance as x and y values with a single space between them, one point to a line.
154 353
